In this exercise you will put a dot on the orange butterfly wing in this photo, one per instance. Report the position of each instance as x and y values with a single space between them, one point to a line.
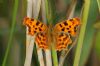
65 29
42 40
69 26
62 32
62 41
34 26
38 28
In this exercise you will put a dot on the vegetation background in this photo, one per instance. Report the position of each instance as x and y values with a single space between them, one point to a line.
12 32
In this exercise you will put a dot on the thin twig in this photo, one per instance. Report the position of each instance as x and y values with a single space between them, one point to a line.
40 56
43 9
29 52
29 14
48 58
71 9
47 52
29 42
36 10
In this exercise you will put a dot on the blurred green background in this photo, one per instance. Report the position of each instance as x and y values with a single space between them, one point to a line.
10 20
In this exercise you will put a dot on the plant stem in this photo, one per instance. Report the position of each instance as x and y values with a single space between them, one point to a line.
82 32
29 42
54 55
11 32
48 56
98 1
29 52
40 56
32 5
64 53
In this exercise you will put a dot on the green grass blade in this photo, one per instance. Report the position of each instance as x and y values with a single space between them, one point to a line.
89 34
49 15
97 45
54 56
11 32
48 11
82 32
98 1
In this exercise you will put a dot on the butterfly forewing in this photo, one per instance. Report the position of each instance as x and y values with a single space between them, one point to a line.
34 26
68 26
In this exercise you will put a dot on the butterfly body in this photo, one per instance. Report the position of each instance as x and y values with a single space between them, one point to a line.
59 35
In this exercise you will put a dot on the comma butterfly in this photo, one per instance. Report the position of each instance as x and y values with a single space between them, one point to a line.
59 34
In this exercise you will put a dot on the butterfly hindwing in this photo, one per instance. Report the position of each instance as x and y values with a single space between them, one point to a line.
62 41
42 40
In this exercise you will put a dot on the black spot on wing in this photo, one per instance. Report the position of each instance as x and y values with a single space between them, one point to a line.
41 25
42 43
60 25
32 19
67 28
75 27
63 29
40 29
44 39
34 31
65 23
71 20
62 43
37 23
69 31
41 34
30 22
35 28
39 38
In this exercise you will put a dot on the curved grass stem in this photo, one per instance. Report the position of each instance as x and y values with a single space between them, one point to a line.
82 32
11 32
